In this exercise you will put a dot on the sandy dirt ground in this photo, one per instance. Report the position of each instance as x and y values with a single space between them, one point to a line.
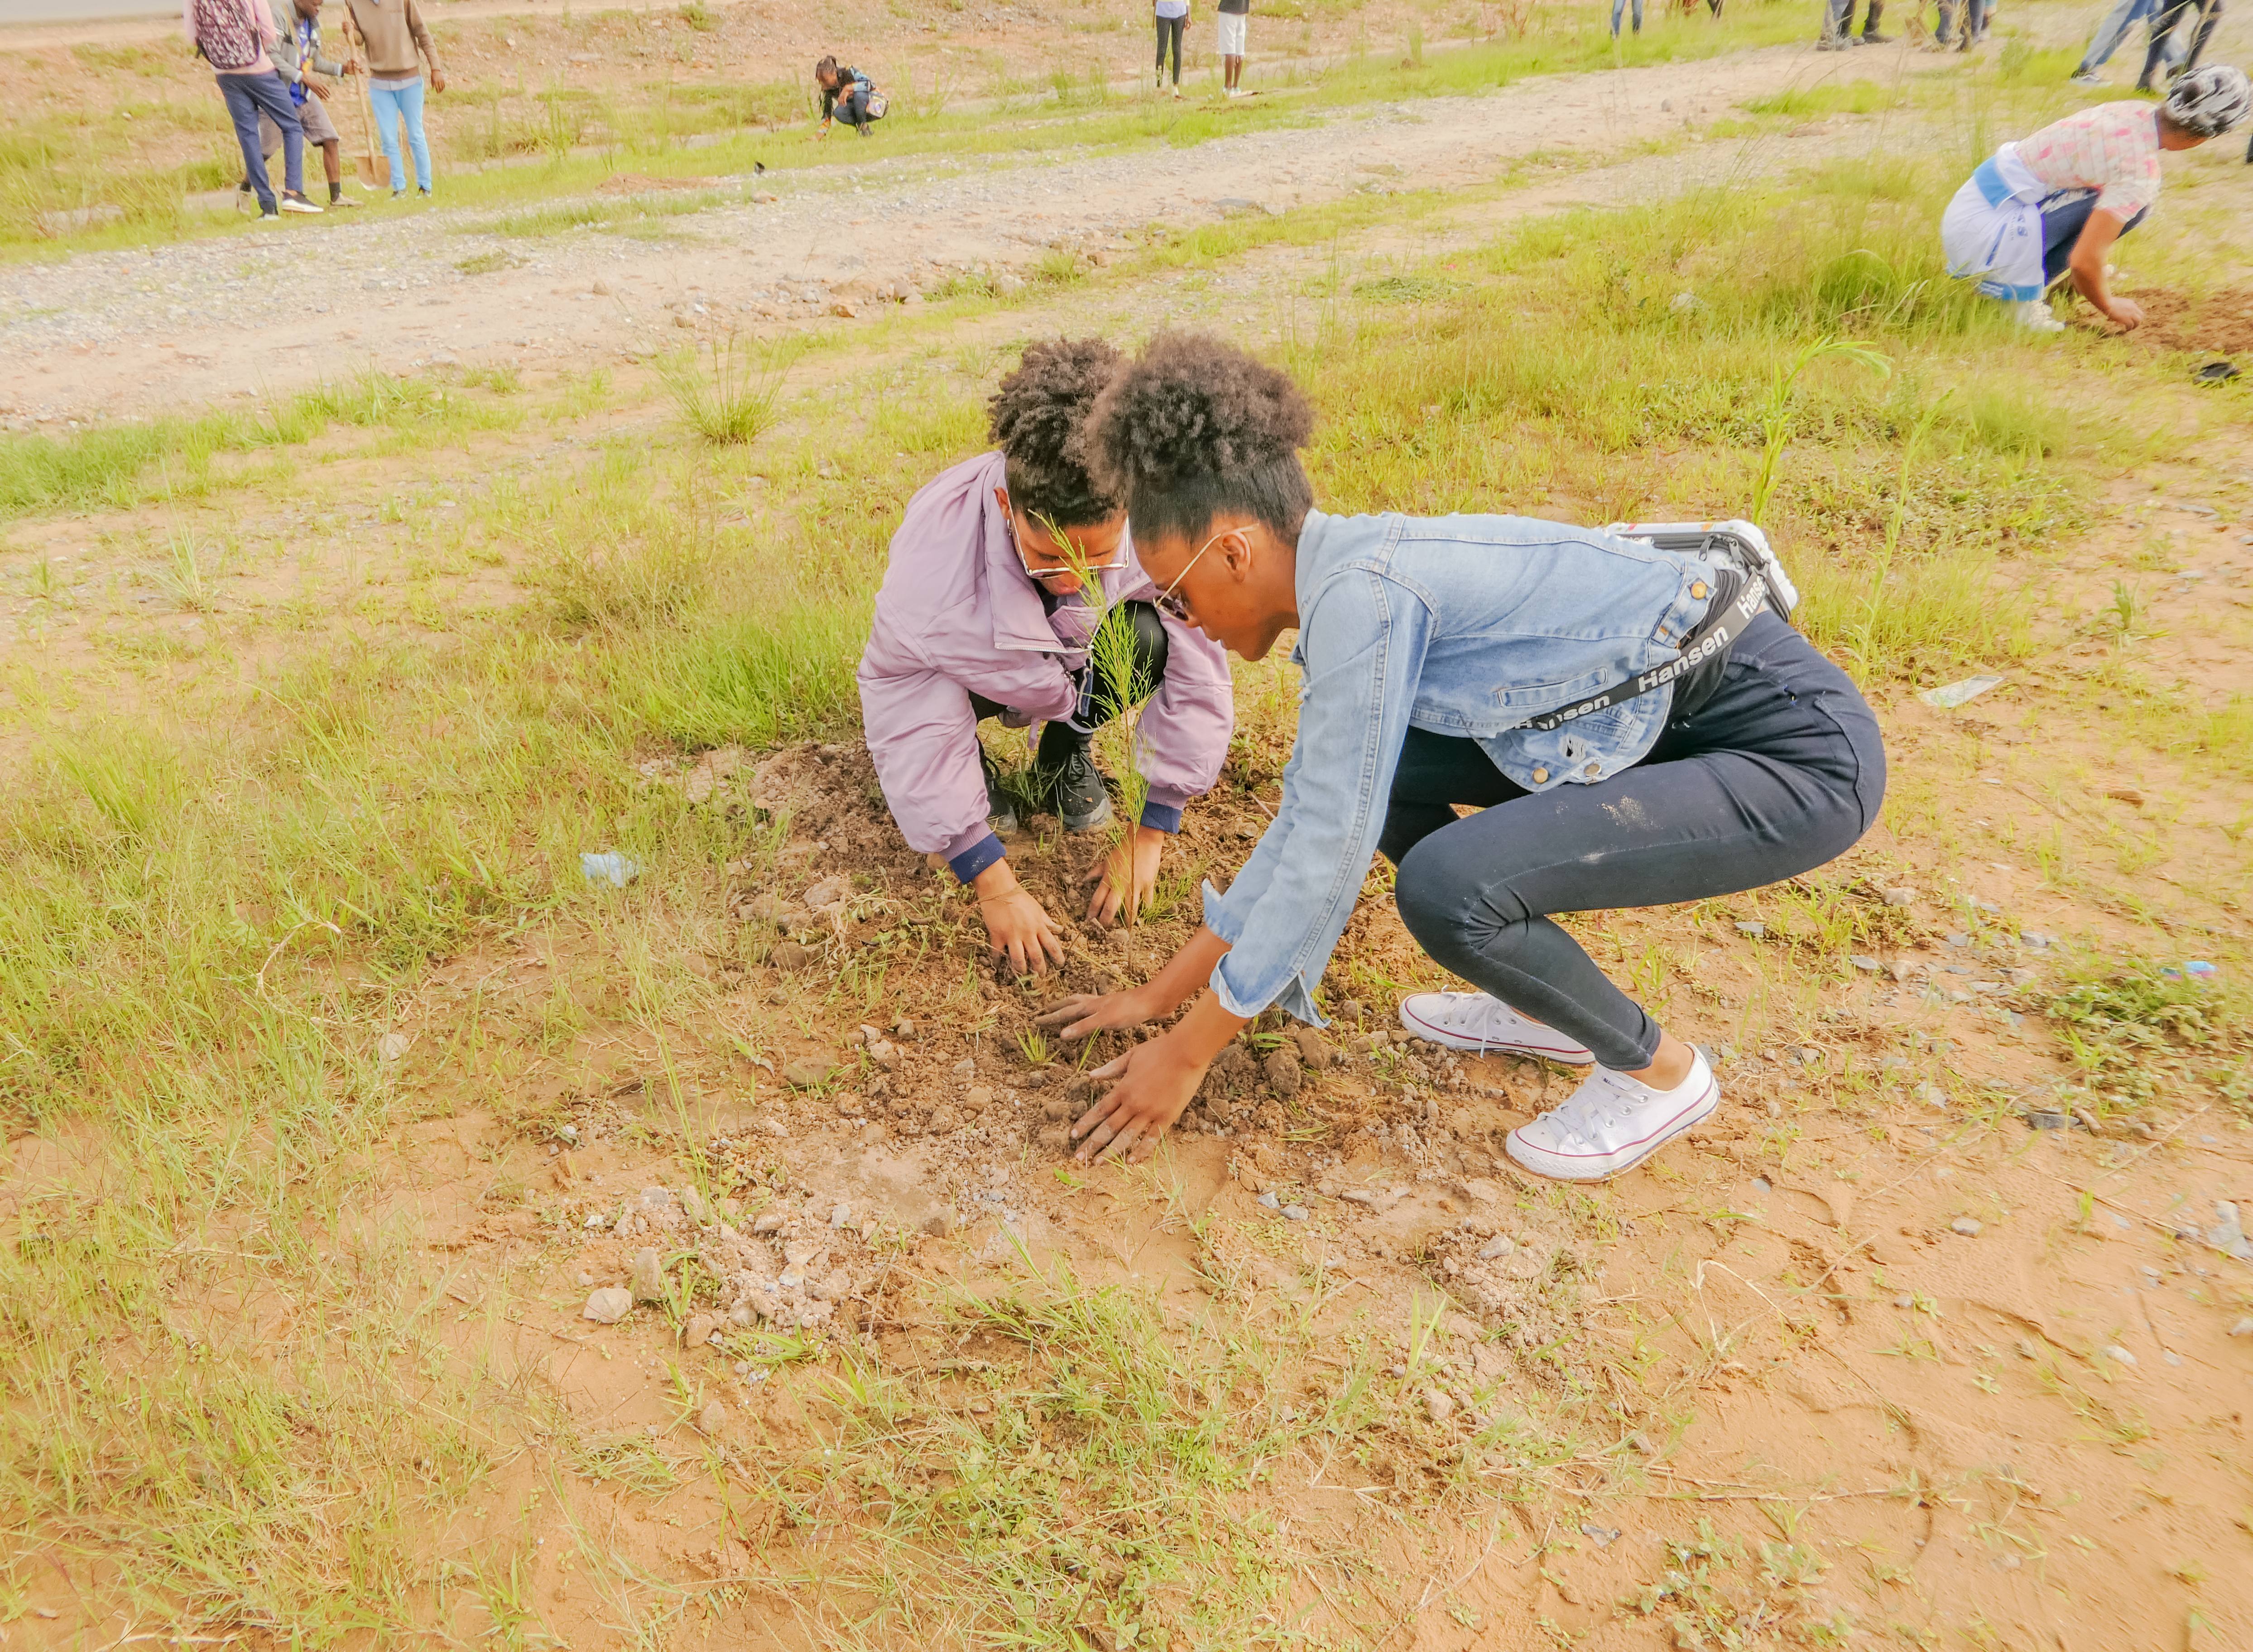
1976 1371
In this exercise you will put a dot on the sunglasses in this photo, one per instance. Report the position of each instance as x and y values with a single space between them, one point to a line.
1175 604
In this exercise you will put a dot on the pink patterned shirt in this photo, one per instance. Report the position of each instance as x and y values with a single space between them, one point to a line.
2111 147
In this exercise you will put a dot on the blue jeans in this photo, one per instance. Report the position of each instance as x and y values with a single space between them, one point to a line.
2111 31
1780 771
393 105
246 95
2064 216
1619 6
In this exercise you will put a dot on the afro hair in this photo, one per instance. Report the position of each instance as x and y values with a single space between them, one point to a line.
1198 428
1039 421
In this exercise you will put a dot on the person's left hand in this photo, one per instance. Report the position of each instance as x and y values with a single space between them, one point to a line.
1128 875
1153 1083
437 81
317 86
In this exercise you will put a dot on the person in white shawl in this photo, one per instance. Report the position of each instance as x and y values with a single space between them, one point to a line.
2052 203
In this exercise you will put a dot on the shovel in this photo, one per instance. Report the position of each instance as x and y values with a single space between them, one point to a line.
374 169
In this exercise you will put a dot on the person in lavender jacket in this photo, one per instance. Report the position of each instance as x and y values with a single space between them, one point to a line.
982 614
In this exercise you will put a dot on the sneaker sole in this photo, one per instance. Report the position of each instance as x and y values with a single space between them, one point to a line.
1603 1167
1574 1056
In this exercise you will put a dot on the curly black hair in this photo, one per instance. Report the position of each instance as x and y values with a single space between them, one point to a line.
1039 421
1196 429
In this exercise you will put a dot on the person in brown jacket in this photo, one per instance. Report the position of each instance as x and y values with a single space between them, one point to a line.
392 33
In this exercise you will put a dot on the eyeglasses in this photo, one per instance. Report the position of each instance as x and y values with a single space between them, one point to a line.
1068 570
1173 604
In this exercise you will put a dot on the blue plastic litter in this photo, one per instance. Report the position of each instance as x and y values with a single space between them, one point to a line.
2197 969
610 866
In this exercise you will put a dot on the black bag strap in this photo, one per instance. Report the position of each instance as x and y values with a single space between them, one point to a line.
1720 628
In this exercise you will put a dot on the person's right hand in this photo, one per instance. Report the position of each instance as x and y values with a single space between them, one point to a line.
317 86
2127 315
1018 928
1084 1014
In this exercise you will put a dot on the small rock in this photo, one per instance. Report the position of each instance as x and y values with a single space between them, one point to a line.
1055 1136
1269 1201
647 1276
2028 1348
1464 1328
1863 961
713 1417
977 1097
1957 938
966 1068
840 1215
1439 1404
1283 1072
807 1075
699 1329
1501 1245
392 1046
2243 1327
1357 1195
1966 1226
938 1224
1757 932
790 955
2114 1351
2047 1119
607 1305
1352 1010
1604 1537
767 1222
1295 1213
1900 895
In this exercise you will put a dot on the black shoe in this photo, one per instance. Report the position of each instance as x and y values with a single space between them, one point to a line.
1878 39
1076 789
1001 807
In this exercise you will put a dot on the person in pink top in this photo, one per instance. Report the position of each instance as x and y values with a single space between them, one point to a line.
984 614
2050 206
233 36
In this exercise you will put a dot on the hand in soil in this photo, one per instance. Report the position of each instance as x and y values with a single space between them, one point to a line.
1084 1014
1132 867
1155 1082
1017 927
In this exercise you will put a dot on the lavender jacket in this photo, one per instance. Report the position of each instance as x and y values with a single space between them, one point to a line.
958 615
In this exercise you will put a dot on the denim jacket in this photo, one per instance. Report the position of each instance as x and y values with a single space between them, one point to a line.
1464 625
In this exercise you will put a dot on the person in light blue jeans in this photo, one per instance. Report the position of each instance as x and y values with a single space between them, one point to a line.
2114 29
1619 6
398 45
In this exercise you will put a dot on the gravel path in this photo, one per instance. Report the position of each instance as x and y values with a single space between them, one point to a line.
133 332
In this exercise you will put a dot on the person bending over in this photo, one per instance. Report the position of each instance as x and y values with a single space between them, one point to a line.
2052 204
844 91
1438 654
984 614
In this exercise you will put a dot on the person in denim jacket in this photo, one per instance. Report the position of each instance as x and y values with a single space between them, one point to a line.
1430 648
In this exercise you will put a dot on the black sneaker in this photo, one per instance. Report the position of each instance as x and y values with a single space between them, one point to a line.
1083 802
1001 807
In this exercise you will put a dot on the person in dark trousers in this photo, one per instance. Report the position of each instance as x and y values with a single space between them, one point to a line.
298 60
1632 726
2196 18
232 35
1838 25
844 91
1006 573
1172 20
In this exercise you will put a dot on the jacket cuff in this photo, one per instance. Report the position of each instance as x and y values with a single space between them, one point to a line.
1161 816
975 858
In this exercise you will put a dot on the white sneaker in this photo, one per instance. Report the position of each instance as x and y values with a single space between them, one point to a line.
299 203
1613 1123
2034 315
1480 1021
